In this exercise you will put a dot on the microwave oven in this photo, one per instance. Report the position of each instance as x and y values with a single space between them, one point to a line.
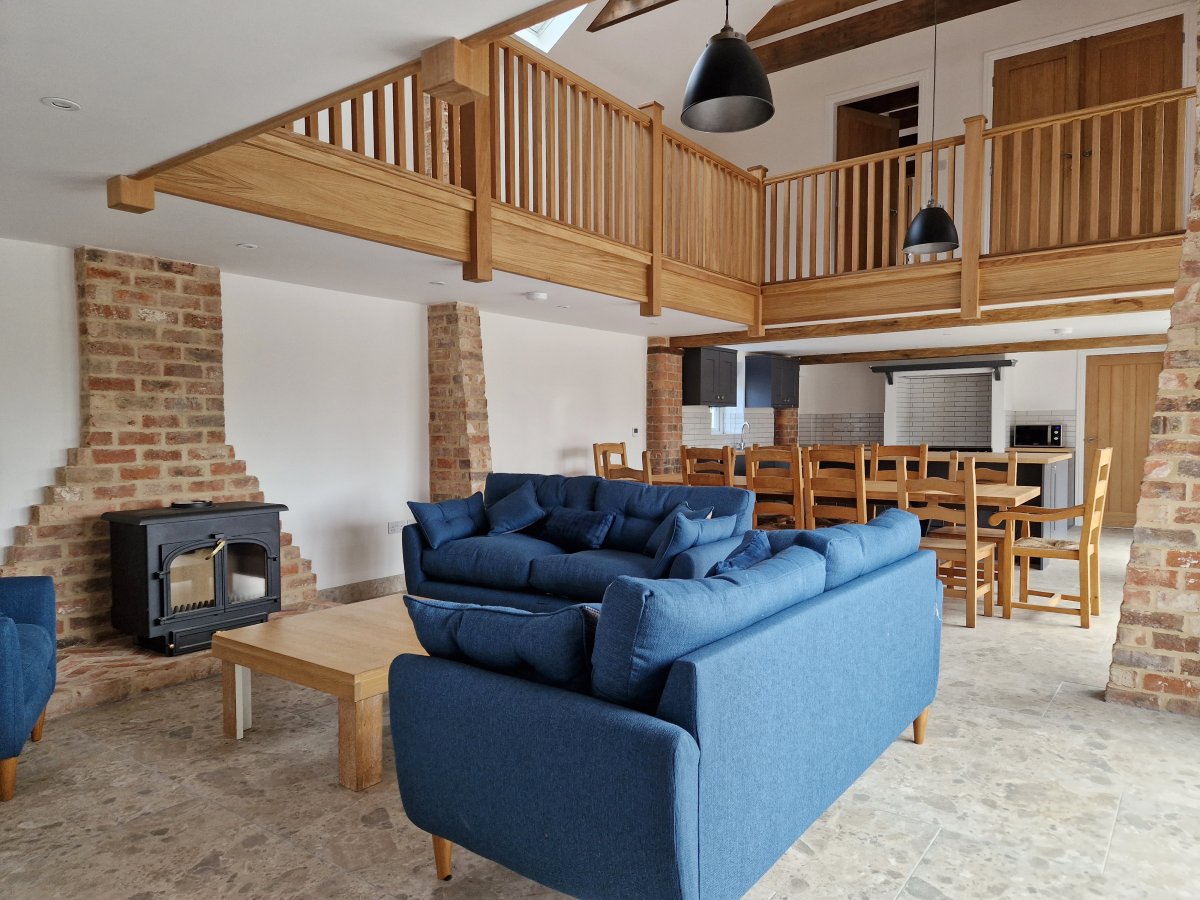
1037 436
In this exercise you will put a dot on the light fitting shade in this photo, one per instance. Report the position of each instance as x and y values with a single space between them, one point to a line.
728 89
932 231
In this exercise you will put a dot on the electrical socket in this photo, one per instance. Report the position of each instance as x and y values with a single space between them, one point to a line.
398 526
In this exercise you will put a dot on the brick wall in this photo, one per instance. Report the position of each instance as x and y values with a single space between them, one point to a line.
460 450
787 426
153 429
664 404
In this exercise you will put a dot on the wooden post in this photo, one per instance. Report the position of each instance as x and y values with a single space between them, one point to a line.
655 201
476 129
758 248
972 230
135 195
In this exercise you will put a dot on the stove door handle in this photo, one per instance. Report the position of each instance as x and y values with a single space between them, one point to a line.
217 549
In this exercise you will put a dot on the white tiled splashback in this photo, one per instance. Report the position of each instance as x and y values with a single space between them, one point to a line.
1063 417
840 428
944 410
697 427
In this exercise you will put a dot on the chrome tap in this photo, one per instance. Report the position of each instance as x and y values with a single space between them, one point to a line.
741 445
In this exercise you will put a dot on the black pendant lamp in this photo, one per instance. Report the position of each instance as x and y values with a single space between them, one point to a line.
728 89
932 230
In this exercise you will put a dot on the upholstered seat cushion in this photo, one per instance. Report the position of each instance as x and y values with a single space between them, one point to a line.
641 508
854 550
1041 543
500 561
37 668
585 575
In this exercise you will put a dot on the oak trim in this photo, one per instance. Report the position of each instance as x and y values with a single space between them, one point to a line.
1120 340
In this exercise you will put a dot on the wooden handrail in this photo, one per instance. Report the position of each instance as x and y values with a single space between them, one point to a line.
939 144
1089 112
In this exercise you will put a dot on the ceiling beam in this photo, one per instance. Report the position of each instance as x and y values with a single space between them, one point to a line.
785 16
534 16
863 30
1122 340
616 11
1000 316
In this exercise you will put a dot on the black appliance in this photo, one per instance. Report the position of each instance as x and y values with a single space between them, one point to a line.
181 573
1036 436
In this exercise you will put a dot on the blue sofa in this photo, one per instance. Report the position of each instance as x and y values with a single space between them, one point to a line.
524 571
27 668
725 715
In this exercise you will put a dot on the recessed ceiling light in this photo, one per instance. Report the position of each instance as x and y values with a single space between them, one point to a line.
61 103
248 246
1061 331
438 283
563 306
537 296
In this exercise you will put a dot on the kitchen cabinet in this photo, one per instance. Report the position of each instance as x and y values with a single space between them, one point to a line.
772 381
709 376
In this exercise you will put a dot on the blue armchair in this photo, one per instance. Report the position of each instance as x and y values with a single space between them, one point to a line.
28 659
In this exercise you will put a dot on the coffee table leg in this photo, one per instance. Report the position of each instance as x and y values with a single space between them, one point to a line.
235 695
360 742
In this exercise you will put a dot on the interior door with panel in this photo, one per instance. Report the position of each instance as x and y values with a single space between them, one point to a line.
862 133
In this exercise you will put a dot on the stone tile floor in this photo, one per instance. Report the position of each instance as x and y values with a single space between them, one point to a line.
1029 786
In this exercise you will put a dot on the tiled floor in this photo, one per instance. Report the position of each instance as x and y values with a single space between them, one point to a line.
1029 785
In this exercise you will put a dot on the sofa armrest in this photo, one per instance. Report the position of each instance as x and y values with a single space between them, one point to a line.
578 794
696 562
29 600
12 691
412 546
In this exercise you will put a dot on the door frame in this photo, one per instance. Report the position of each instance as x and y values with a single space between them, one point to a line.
922 80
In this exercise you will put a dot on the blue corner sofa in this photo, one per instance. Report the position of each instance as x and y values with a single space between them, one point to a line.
522 570
27 667
724 715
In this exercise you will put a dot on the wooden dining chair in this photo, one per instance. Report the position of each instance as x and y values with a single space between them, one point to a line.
604 455
773 474
707 465
966 565
885 457
1085 551
620 472
986 474
834 474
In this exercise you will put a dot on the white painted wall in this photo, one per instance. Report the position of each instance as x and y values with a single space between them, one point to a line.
39 374
1041 380
840 388
554 390
326 401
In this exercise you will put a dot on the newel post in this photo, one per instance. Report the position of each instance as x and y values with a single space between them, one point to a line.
758 245
972 230
656 202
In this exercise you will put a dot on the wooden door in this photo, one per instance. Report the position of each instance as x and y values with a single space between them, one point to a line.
861 133
1120 392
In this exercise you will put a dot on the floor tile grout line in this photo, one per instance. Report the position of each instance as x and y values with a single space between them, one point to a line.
1112 833
917 864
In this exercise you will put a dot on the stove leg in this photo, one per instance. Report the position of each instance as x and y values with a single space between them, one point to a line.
235 694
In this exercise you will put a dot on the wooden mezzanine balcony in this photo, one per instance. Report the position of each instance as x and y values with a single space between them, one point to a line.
540 173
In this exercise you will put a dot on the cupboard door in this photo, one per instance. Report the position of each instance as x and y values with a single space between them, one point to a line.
726 378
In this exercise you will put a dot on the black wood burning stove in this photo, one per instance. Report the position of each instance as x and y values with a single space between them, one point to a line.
181 573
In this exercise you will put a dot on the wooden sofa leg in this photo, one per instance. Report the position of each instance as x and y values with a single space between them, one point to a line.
442 851
919 724
8 777
36 734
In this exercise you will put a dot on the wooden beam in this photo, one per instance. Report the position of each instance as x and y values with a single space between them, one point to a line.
785 16
616 11
1001 316
1123 340
974 152
508 27
476 136
863 30
654 290
135 195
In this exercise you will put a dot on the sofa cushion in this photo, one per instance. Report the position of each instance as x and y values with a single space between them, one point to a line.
688 533
577 529
515 512
501 561
575 492
667 525
854 550
450 519
586 575
754 548
641 508
551 648
645 625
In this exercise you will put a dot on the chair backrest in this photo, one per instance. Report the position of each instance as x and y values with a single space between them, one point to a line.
619 472
926 498
1095 497
885 457
835 473
1003 474
604 455
707 465
773 474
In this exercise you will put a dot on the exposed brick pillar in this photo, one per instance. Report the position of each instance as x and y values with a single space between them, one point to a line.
153 429
1156 657
664 404
460 450
787 426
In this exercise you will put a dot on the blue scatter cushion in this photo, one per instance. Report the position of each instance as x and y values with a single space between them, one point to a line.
854 550
577 529
688 533
663 531
648 624
550 648
516 511
450 519
754 548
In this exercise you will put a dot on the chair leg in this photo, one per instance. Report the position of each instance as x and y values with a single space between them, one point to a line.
971 591
8 778
1085 591
989 575
919 724
1095 568
36 734
1025 567
442 852
1007 562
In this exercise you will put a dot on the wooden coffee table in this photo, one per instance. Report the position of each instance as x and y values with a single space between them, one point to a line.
345 651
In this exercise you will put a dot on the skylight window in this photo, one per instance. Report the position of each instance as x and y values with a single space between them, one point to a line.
545 35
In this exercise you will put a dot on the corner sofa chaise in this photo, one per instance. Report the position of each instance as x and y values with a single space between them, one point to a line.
525 570
680 750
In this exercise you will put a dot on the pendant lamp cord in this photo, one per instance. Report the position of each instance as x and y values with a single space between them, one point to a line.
726 13
932 103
